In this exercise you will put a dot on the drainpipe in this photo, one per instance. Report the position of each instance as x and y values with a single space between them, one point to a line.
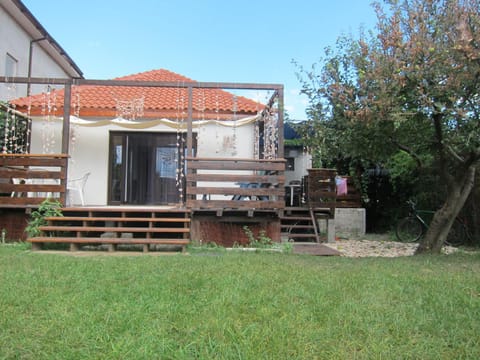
30 56
29 75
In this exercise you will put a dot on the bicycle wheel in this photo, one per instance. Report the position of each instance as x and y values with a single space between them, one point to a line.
409 229
457 234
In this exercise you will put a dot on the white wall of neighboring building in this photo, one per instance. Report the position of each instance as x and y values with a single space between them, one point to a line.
15 42
302 162
89 150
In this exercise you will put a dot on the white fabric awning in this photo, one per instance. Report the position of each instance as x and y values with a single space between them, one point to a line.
145 124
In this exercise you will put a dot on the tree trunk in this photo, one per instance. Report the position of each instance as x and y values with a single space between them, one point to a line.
444 217
474 212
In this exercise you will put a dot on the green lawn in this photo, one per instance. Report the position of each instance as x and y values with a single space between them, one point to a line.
219 305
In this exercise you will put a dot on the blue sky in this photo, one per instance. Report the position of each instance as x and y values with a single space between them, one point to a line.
249 41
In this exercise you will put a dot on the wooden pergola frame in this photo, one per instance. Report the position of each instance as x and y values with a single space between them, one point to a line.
195 164
68 83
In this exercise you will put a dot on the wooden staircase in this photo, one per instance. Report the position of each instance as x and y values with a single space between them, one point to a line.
149 228
300 224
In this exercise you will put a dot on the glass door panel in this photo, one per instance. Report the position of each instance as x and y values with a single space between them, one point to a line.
143 168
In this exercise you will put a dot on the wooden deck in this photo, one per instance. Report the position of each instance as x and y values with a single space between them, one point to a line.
222 196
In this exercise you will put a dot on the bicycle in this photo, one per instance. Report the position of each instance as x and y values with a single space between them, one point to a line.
414 226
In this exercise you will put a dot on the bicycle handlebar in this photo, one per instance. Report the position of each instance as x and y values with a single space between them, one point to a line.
412 204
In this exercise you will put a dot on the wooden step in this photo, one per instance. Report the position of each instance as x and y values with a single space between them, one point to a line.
117 219
141 226
130 210
300 236
295 218
113 229
299 223
100 240
74 242
297 227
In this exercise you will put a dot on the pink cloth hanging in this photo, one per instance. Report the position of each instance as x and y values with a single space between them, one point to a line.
341 186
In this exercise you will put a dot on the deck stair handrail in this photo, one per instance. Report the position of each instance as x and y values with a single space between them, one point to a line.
234 183
26 180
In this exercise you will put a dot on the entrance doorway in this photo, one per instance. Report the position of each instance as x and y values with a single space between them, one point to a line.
143 168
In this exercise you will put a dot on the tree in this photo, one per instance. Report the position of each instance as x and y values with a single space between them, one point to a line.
412 86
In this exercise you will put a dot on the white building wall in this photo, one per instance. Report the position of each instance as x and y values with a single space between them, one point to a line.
302 162
89 151
16 42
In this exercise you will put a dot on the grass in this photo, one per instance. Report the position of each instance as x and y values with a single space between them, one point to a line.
229 305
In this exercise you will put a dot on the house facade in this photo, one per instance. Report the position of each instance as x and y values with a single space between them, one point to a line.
28 50
133 140
150 140
203 151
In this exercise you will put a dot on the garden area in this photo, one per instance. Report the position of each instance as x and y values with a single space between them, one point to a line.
221 304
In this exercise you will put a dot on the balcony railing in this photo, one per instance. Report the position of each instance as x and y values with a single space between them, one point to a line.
28 179
229 183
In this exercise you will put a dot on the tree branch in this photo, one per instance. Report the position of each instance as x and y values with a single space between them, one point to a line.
455 155
408 151
437 124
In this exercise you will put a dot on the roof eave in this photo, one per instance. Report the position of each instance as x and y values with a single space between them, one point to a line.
33 27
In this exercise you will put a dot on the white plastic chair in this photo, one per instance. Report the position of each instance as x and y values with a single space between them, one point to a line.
17 181
77 186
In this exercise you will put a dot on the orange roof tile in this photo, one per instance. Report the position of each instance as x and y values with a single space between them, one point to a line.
169 102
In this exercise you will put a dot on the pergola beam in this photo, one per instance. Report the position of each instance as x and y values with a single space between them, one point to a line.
67 83
192 84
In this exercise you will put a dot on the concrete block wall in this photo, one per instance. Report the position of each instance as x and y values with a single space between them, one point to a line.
350 222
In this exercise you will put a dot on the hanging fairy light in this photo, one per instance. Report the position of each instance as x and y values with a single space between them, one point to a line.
130 109
13 136
180 144
74 131
29 124
14 127
201 129
234 137
49 108
217 124
6 126
271 132
256 132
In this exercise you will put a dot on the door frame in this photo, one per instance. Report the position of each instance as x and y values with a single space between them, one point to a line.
125 167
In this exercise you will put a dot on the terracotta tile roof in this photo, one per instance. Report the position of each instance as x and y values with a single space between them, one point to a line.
101 101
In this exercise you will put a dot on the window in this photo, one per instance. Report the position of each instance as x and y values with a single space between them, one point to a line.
290 166
11 65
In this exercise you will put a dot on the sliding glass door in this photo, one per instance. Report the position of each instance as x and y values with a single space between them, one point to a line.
143 168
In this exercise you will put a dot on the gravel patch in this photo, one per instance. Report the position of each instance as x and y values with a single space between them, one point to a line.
377 248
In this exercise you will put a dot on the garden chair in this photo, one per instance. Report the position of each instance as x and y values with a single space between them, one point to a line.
77 186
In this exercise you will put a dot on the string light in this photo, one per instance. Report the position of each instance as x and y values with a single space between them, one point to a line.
234 138
74 130
49 109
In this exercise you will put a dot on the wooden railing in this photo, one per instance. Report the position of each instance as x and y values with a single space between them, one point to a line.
229 183
321 190
28 179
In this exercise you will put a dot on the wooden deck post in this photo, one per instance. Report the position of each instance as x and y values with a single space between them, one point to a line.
190 122
280 150
66 118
